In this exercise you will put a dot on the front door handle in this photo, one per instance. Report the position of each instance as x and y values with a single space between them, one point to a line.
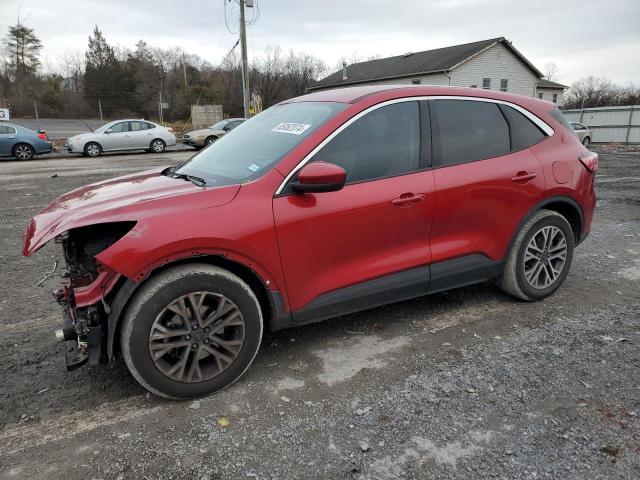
523 177
407 199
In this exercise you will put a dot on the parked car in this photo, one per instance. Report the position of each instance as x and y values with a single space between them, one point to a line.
122 135
206 136
22 143
322 205
584 133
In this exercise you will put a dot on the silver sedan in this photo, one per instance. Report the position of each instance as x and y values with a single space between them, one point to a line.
584 133
122 135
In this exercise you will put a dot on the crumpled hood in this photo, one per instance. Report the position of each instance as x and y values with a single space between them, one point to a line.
120 199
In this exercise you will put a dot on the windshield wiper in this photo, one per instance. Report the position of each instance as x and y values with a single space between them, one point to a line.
170 172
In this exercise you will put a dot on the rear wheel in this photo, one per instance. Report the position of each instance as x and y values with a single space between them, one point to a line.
190 331
92 149
586 142
540 257
157 146
22 151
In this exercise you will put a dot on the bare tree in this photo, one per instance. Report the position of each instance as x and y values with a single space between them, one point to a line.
551 71
591 92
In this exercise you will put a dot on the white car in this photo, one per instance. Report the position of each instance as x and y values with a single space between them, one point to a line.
584 133
122 135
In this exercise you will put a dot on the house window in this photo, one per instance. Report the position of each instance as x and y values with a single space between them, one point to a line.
416 81
504 85
555 98
486 83
540 94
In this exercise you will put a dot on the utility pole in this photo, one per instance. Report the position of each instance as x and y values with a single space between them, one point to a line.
245 66
184 71
100 108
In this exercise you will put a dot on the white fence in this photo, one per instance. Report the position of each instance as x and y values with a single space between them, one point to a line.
609 124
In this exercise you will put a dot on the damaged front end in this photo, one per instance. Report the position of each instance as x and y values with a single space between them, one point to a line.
87 291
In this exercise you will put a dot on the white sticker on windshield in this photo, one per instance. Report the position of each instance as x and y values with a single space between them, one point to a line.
254 167
293 128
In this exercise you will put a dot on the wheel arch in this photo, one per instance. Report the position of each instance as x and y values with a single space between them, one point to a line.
565 206
270 302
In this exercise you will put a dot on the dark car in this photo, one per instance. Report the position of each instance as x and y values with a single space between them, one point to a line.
322 205
22 143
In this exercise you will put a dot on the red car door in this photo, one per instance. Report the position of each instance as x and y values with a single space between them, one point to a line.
368 242
486 181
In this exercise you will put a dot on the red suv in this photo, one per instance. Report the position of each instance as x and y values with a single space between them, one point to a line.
322 205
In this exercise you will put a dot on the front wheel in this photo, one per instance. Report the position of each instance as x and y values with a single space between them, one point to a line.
586 142
92 149
209 141
191 330
157 146
540 257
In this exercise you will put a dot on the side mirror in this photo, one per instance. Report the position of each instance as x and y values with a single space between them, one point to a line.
318 177
107 131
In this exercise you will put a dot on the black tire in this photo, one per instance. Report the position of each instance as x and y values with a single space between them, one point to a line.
157 145
586 142
514 279
209 141
23 151
92 149
149 304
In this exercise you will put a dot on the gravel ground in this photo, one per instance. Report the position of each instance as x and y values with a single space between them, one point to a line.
464 384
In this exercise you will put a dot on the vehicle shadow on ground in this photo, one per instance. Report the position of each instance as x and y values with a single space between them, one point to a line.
412 317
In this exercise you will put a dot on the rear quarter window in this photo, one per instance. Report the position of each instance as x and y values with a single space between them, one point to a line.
560 118
524 133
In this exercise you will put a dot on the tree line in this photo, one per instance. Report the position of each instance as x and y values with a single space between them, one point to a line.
122 82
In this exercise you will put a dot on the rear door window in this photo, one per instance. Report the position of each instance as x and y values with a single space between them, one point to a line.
466 130
6 130
136 126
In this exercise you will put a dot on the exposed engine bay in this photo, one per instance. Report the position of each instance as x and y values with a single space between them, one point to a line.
86 291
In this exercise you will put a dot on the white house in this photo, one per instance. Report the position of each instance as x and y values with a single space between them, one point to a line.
493 64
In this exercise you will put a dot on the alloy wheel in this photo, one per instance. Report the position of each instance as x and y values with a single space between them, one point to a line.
545 257
196 337
23 152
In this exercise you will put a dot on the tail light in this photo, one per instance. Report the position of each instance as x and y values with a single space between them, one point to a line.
42 135
590 161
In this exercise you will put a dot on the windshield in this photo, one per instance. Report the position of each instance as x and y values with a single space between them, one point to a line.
220 125
259 143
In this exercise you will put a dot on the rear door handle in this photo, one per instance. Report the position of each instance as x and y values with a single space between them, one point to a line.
407 199
523 177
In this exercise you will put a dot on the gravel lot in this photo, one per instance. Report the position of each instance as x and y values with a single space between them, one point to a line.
464 384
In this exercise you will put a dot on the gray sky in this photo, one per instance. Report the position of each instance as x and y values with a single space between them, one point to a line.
583 37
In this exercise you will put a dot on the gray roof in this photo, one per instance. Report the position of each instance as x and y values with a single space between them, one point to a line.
419 63
544 83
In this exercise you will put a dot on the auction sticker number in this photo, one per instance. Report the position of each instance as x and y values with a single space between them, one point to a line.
292 128
4 114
